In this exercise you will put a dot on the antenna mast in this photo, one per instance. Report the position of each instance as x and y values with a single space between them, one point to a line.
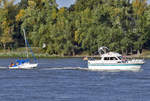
26 43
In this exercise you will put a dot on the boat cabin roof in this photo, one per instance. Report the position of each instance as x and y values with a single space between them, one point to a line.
111 54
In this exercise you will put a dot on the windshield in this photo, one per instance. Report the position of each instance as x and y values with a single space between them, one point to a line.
120 57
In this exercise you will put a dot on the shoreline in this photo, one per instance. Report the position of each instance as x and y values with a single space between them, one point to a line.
38 53
44 55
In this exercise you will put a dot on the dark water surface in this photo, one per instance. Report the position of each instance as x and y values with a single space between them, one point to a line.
65 79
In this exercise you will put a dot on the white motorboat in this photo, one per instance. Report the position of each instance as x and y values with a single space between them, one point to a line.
114 61
24 64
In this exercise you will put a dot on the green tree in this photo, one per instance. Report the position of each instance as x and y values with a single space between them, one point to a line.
140 24
8 11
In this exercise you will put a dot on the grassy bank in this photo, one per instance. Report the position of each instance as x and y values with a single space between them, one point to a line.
37 55
20 53
145 54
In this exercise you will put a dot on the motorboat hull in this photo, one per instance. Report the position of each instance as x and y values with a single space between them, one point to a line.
25 66
121 66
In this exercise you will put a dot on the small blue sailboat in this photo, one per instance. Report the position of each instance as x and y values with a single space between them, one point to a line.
24 63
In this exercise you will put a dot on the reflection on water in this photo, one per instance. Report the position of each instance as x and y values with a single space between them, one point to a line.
68 79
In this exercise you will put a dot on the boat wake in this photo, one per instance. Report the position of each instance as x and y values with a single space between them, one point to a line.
65 68
85 69
3 67
75 68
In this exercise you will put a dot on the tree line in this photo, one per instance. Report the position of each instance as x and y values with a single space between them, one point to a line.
120 25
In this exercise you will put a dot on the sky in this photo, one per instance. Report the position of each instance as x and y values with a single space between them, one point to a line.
67 3
61 3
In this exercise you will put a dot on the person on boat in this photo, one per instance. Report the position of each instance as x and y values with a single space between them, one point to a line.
124 59
85 58
12 64
17 63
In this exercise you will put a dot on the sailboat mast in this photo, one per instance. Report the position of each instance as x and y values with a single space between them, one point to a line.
25 43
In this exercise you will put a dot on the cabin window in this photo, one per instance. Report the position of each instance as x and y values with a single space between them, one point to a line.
113 58
106 58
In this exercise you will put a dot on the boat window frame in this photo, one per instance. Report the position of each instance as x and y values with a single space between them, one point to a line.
113 58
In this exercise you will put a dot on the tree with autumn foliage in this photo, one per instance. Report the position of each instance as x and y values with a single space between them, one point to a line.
7 18
121 25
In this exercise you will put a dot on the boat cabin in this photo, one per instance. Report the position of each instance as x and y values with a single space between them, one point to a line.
111 57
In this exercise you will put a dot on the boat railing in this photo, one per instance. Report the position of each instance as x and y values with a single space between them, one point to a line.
136 61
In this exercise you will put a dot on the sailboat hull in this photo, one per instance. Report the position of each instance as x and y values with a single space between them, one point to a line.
25 66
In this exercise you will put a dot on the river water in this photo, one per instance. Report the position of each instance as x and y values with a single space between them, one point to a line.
67 79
